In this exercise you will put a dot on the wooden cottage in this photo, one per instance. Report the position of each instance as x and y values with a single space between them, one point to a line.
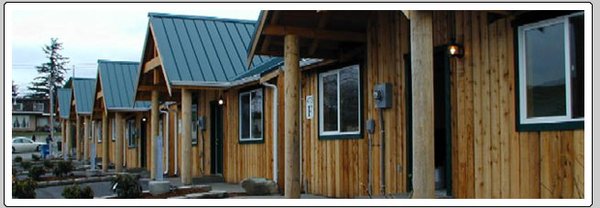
482 104
197 62
120 125
64 114
81 105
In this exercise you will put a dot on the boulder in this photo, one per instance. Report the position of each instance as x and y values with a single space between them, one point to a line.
259 186
159 187
214 194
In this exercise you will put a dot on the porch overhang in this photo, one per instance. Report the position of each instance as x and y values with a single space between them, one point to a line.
322 34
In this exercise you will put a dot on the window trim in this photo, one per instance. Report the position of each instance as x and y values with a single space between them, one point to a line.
337 134
251 140
129 136
566 122
113 130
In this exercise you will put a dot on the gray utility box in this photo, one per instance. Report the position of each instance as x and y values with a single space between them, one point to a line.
383 95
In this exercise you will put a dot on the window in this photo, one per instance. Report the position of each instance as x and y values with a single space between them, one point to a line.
550 54
99 131
18 107
131 132
194 123
113 129
339 102
251 115
21 122
38 107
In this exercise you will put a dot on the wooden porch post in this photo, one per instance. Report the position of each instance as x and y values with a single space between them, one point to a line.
67 138
105 142
119 143
86 133
79 137
153 133
186 137
422 102
63 136
292 140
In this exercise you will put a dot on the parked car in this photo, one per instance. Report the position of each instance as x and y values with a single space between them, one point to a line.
24 144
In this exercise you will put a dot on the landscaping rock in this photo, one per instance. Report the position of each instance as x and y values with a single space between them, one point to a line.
159 187
259 186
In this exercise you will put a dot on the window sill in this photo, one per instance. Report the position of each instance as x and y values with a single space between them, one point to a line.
340 136
251 141
568 125
131 146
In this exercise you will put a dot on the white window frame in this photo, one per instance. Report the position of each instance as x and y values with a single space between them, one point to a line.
99 132
262 117
523 72
128 128
321 114
114 129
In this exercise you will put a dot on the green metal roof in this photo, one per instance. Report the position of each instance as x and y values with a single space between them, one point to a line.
266 67
64 102
84 90
202 49
117 79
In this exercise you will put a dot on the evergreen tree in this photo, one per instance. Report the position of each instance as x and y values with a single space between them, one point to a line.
55 67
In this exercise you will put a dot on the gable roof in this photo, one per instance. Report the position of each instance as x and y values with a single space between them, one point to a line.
202 49
64 102
117 80
84 89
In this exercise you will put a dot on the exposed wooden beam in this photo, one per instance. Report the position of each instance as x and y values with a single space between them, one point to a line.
99 95
150 65
322 22
151 88
267 41
406 14
345 36
269 76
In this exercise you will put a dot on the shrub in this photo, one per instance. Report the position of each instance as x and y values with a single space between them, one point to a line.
18 159
24 189
35 157
63 168
76 192
48 164
26 165
127 186
36 172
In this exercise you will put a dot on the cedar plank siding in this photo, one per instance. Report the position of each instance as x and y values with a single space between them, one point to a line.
490 158
339 168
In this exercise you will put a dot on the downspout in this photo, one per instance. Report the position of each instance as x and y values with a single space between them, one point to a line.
166 132
274 126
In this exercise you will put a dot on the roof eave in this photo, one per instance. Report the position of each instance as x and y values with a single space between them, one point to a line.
256 36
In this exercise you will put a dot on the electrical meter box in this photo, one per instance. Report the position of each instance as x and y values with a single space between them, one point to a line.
382 94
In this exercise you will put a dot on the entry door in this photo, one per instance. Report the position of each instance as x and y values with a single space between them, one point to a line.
216 138
143 150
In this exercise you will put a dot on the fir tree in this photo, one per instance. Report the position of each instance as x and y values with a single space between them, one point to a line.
55 67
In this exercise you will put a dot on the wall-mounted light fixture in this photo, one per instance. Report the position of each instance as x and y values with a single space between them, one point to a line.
221 101
455 49
144 119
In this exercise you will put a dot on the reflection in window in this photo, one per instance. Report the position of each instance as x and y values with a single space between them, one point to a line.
251 115
339 101
551 70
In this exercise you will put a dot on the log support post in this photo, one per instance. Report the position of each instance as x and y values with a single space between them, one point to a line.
79 138
105 142
186 137
119 143
153 133
67 139
422 102
291 123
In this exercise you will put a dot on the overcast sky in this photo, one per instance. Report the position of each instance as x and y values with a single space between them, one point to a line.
88 32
